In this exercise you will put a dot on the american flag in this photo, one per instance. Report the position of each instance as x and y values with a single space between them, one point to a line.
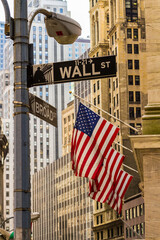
106 176
112 192
117 194
91 140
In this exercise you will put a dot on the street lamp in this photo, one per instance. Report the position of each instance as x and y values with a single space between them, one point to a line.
63 29
22 203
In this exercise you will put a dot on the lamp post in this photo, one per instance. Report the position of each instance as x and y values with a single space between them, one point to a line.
20 36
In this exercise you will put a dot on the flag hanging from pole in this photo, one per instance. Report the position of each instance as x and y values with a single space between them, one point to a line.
113 192
106 176
91 140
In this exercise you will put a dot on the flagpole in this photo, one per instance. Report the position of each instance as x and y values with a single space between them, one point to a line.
130 168
105 112
123 146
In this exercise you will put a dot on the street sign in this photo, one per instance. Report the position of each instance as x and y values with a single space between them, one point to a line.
70 71
42 109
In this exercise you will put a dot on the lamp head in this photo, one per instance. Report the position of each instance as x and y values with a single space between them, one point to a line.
64 29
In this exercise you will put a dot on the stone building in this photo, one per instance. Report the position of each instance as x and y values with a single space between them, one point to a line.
118 28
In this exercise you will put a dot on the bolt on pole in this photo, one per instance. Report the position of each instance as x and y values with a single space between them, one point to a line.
22 202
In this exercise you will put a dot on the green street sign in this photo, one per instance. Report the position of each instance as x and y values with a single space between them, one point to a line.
11 236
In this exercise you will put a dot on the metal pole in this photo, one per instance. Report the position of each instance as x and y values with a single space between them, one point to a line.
22 202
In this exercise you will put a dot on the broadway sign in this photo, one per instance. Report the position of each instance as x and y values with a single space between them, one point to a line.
42 109
70 71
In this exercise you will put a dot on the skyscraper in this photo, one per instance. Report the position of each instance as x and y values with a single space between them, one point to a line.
46 140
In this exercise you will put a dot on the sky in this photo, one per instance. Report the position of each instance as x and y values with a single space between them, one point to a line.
79 12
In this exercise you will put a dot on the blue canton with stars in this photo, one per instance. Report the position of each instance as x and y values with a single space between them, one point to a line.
86 120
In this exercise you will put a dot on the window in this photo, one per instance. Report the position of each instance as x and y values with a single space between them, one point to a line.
131 10
114 86
130 233
117 99
131 113
108 233
7 194
129 33
7 211
112 232
40 29
129 48
92 3
138 97
97 220
134 230
138 112
116 82
132 132
101 217
130 213
34 28
135 34
97 85
133 212
141 209
97 206
127 233
98 100
136 64
114 101
115 35
131 97
109 83
97 235
117 113
130 79
61 10
107 17
130 64
94 87
101 235
94 101
40 38
39 17
137 80
136 48
141 228
138 228
112 39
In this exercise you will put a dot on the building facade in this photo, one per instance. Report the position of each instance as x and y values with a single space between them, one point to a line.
118 28
134 216
68 119
2 42
63 203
